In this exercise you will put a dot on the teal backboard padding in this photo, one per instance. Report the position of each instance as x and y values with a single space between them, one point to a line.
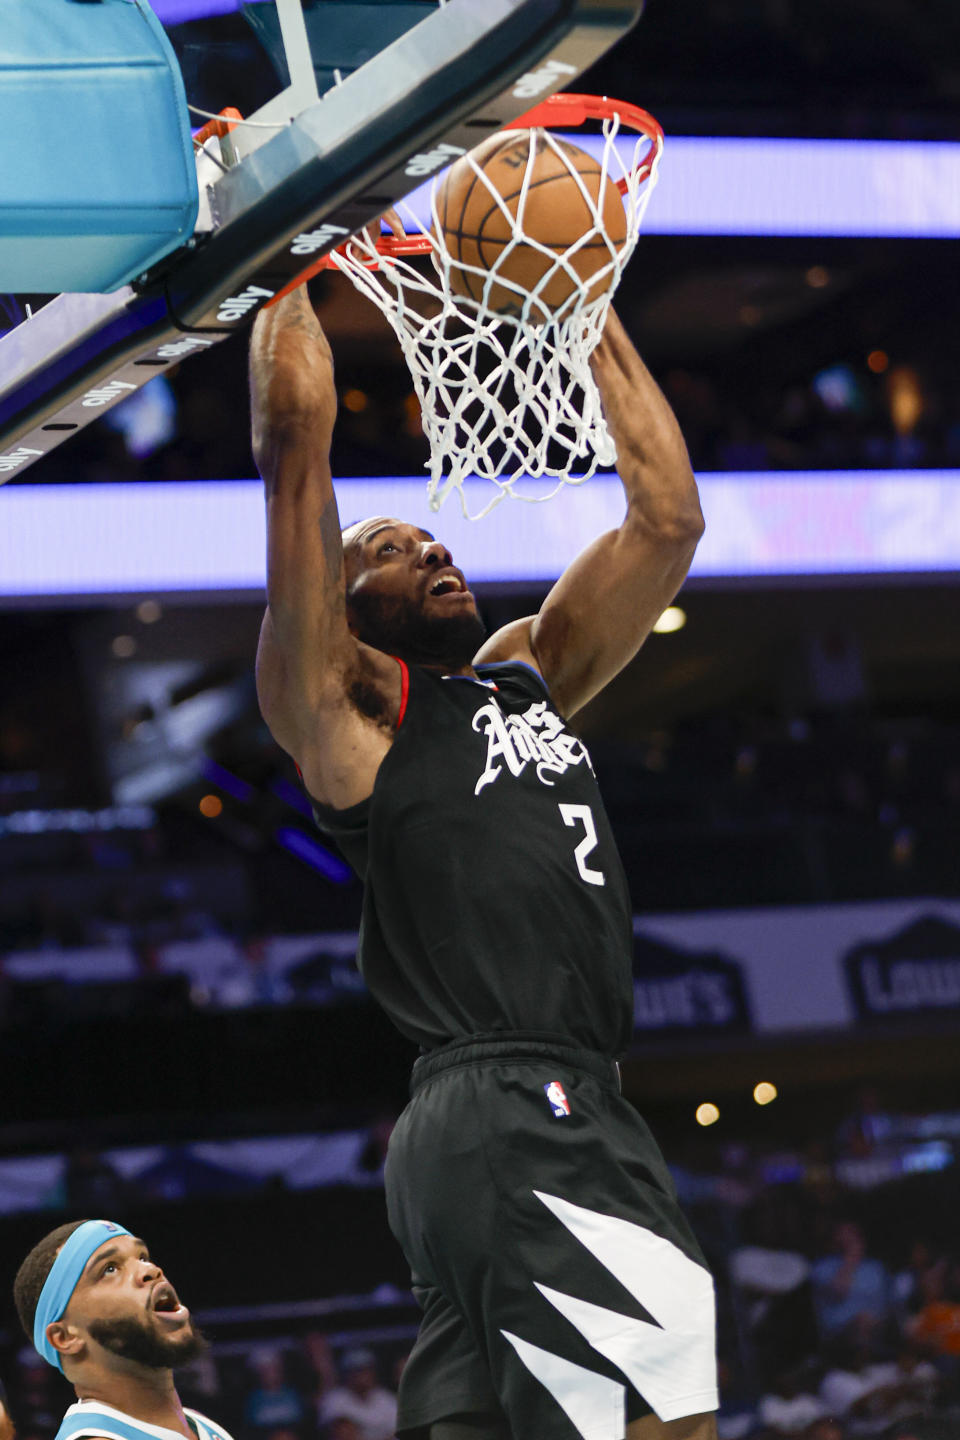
97 175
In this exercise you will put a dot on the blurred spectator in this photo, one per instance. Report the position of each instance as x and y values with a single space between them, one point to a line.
323 1368
937 1323
826 1428
923 1271
198 1384
282 1433
361 1399
847 1388
789 1407
923 1428
273 1405
250 980
373 1156
909 1384
38 1404
835 671
868 1394
737 1416
774 1292
341 1427
397 1369
763 1273
848 1286
865 1126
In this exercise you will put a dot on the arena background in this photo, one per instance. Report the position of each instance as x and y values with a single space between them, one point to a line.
186 1044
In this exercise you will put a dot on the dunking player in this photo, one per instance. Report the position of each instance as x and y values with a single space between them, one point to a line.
563 1292
100 1310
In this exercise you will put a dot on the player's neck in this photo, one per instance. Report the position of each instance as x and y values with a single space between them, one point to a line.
146 1395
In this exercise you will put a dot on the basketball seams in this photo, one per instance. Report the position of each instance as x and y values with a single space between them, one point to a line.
522 260
534 184
477 173
535 244
474 181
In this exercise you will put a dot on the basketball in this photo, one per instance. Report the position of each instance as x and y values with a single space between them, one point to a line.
553 214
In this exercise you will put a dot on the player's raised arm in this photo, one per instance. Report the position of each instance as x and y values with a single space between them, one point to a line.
307 661
603 607
293 408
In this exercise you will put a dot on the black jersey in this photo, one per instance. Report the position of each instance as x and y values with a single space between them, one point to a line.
495 899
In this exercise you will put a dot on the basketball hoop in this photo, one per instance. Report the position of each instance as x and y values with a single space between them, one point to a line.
509 397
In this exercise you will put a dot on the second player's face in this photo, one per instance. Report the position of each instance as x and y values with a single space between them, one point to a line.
406 595
125 1304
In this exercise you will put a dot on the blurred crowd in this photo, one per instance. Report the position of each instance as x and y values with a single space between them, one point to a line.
293 1388
838 1298
845 1341
840 1342
829 805
844 416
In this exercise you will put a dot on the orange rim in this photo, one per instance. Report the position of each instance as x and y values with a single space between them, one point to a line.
558 112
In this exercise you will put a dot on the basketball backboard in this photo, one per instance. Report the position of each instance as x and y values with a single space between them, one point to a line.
325 165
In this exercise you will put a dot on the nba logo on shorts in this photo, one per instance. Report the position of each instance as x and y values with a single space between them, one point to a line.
557 1099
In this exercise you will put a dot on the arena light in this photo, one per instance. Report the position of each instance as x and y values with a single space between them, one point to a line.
81 822
672 619
227 781
707 1113
719 185
312 853
764 1093
293 796
65 544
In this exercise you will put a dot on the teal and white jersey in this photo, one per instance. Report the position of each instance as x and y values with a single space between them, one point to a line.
92 1418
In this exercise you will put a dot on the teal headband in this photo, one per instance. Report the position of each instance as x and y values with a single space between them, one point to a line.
62 1280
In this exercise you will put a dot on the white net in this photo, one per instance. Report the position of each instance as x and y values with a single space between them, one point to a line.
510 397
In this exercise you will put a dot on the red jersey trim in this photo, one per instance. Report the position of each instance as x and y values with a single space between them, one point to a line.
404 697
404 689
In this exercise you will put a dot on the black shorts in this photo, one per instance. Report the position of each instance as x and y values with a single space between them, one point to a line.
561 1287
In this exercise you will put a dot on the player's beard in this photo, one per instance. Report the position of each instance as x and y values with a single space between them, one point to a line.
132 1338
398 626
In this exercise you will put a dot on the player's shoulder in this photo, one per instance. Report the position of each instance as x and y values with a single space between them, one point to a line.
519 675
207 1429
95 1420
512 642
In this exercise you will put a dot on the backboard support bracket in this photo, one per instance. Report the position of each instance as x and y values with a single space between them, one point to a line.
302 90
456 77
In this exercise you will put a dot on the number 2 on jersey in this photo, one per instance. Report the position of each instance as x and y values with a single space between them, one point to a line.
574 815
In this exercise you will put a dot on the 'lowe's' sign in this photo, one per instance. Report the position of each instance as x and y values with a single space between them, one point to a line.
916 970
674 989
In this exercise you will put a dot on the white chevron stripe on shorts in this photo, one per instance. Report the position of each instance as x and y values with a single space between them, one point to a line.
595 1405
673 1363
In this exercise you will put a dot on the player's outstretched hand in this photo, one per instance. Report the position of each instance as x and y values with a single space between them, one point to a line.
372 232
